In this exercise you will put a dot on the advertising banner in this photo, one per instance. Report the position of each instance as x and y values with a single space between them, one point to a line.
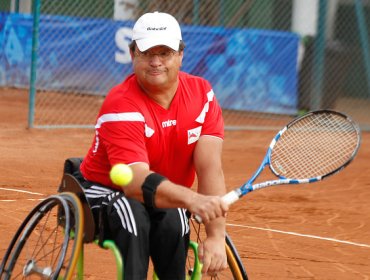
250 70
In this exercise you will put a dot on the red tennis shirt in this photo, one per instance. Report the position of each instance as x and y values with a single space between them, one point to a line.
132 128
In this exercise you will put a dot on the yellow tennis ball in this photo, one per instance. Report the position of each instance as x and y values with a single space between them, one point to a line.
121 174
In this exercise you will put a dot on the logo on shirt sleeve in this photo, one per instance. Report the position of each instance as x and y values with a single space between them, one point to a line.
194 134
148 131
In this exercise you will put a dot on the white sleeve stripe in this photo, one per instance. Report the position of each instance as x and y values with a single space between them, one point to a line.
131 117
202 115
210 95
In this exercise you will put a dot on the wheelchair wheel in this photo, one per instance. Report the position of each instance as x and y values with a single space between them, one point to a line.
236 268
48 242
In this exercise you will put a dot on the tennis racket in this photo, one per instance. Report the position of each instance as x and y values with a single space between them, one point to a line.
308 149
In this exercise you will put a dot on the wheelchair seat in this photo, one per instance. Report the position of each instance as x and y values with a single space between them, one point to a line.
71 183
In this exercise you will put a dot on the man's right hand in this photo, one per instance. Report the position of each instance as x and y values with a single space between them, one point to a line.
208 207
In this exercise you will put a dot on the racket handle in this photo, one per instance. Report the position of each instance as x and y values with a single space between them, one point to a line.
198 219
229 198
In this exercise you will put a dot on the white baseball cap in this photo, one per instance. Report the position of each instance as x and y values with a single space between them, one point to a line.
156 29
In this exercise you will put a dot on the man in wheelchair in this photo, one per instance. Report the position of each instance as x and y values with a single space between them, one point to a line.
167 126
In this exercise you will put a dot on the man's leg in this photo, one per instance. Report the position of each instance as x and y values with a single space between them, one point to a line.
127 223
129 226
169 241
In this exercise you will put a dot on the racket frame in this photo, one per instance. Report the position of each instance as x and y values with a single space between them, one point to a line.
248 187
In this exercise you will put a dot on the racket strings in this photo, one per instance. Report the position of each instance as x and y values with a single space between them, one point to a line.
314 146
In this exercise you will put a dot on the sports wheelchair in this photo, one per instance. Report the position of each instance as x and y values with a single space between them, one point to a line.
49 244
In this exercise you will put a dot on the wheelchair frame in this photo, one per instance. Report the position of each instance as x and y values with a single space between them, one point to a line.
75 224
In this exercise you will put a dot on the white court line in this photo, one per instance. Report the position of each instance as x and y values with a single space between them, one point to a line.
15 200
303 235
22 191
234 225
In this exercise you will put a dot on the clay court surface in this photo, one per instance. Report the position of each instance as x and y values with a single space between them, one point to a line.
318 231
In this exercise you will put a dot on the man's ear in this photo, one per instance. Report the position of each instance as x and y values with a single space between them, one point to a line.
132 54
181 55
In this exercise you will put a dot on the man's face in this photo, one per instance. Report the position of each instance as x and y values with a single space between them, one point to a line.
157 68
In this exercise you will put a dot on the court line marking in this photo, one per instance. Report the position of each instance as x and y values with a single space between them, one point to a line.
21 191
14 200
304 235
234 225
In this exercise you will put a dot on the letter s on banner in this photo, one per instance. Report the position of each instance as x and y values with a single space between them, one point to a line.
123 39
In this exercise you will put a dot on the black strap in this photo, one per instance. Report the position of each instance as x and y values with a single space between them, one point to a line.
149 188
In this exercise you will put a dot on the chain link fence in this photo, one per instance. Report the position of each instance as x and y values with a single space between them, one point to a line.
268 60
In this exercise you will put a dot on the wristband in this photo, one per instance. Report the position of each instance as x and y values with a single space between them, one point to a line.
149 188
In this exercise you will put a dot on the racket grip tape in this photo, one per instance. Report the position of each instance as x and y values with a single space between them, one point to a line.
231 197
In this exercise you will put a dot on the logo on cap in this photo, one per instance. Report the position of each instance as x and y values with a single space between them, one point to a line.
156 28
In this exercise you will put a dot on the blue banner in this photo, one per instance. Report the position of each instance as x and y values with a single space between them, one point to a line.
15 50
250 70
